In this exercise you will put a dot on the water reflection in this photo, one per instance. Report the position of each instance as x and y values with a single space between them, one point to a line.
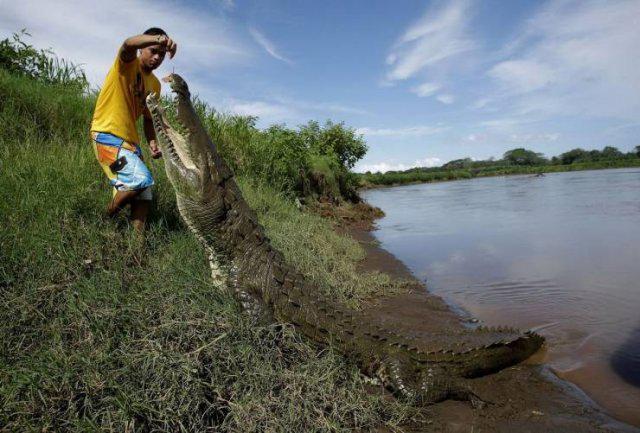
561 249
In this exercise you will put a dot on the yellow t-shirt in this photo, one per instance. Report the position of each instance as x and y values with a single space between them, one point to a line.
122 99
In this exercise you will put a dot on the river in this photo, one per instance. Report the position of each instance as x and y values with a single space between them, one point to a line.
559 252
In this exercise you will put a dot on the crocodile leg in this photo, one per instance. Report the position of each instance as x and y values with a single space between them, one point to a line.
251 304
434 386
437 385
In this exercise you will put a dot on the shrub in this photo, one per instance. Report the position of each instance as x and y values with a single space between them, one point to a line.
18 57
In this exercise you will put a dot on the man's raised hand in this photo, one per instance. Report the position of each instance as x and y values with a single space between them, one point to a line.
168 44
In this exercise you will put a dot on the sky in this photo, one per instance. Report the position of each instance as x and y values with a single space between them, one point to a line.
424 82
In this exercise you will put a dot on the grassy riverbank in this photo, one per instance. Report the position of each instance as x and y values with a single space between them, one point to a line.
100 331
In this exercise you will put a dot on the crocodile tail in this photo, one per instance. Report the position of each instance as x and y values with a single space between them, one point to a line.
503 354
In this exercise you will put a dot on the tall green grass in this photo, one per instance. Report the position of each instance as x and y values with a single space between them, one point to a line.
21 58
100 331
322 255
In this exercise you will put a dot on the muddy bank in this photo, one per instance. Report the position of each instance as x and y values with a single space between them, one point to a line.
524 398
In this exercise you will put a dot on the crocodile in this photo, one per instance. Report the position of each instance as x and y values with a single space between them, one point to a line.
425 369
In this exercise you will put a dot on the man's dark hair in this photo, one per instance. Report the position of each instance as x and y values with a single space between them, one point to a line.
155 31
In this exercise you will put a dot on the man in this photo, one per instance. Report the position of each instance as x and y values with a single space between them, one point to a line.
113 129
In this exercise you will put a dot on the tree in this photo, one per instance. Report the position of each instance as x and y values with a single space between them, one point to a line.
595 155
637 149
334 139
521 156
458 163
610 152
574 155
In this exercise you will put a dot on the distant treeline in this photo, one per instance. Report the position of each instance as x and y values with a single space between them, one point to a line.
515 161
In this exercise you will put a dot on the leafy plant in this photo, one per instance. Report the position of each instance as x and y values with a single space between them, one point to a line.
18 57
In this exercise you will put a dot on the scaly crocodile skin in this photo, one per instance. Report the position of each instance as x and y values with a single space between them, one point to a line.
425 369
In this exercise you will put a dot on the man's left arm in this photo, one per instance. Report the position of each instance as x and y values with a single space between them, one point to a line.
150 134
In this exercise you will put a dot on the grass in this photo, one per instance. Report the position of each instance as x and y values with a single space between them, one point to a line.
309 243
100 331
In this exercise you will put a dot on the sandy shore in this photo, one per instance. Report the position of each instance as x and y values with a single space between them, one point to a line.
524 398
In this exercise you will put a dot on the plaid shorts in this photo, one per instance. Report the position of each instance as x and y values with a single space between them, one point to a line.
122 163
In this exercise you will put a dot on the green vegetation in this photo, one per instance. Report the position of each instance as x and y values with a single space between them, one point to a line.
100 331
524 157
20 58
311 162
515 161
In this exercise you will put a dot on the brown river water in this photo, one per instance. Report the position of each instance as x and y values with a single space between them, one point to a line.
559 253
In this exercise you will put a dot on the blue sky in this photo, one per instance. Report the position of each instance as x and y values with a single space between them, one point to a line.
425 82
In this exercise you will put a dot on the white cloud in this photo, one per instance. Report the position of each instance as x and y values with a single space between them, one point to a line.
284 110
324 107
523 75
266 111
575 58
90 32
534 138
476 137
514 138
428 162
481 103
446 99
268 46
392 166
426 89
438 35
413 131
228 4
338 108
507 124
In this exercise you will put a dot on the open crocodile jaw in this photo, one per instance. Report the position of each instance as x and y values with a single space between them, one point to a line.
426 370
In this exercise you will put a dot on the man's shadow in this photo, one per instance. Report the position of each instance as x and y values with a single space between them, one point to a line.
625 361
